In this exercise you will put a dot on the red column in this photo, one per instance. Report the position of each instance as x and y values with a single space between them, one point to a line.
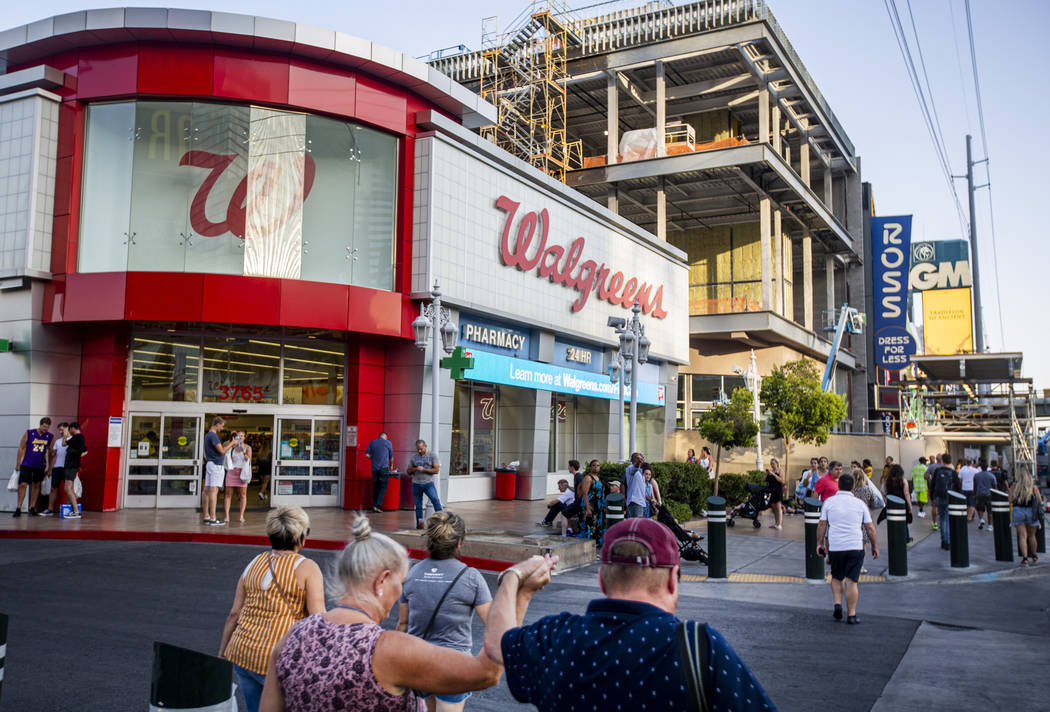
364 395
103 371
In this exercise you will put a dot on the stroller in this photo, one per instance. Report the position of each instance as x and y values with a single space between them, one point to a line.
688 542
758 502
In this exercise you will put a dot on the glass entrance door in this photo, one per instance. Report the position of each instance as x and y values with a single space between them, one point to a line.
163 460
307 462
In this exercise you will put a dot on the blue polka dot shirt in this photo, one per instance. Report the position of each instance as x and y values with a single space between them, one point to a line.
620 655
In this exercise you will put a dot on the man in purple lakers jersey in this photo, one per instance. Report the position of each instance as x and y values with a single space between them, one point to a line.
33 454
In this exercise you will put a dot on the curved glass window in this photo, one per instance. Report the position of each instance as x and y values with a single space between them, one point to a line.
174 186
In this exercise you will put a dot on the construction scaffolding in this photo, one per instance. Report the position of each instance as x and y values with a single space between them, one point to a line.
523 73
980 399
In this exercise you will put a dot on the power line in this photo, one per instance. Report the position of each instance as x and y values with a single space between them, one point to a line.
959 66
987 169
932 125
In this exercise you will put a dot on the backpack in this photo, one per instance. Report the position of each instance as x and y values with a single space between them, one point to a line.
943 479
695 654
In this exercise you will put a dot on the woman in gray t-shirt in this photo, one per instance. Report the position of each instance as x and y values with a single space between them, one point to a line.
440 596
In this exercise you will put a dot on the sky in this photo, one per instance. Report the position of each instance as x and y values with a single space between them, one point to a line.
849 48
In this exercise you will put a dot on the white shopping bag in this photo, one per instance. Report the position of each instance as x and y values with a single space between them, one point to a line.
45 485
78 487
12 484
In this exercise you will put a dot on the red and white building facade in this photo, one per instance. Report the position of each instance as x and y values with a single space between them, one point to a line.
211 214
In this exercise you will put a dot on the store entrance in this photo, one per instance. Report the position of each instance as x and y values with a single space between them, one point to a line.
258 434
295 459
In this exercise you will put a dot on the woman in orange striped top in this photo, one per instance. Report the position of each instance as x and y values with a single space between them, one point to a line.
278 588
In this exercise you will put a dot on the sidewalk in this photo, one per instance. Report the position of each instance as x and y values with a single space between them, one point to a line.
761 555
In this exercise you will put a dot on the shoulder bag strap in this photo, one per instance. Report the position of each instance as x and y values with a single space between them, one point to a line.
430 623
269 562
694 654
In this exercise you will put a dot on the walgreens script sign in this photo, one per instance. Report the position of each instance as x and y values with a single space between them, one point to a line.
529 250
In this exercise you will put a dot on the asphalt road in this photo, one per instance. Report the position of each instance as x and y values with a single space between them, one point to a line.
84 616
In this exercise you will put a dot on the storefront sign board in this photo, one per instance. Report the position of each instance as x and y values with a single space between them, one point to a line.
504 370
506 241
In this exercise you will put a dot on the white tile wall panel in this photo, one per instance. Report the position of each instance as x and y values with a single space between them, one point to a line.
461 239
28 152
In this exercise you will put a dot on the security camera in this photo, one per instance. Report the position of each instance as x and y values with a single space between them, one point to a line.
617 321
738 371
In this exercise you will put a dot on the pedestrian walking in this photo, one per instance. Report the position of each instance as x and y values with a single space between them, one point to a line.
932 464
885 472
1002 479
983 484
238 464
423 466
59 448
942 483
344 659
33 461
966 476
214 470
705 461
277 589
690 456
627 648
634 481
775 486
652 491
76 449
897 485
440 596
828 485
918 486
841 520
1027 514
380 453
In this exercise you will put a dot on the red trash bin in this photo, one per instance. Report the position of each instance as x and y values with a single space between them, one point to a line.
392 498
505 483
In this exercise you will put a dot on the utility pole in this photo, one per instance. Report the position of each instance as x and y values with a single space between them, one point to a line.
974 262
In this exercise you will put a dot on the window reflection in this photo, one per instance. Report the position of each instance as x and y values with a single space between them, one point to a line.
204 187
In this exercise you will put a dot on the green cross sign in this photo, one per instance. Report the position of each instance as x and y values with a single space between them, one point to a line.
458 362
5 345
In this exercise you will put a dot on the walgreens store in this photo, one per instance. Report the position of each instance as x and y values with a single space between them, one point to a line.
212 214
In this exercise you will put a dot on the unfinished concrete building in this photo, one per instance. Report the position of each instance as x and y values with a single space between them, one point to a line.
699 123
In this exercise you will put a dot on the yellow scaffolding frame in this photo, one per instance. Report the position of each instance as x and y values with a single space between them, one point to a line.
524 76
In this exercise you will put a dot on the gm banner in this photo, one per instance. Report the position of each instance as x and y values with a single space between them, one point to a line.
944 264
890 242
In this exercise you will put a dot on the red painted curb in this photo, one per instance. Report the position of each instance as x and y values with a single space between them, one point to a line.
210 538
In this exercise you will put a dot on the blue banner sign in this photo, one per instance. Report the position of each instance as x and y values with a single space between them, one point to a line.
579 356
890 248
508 371
485 335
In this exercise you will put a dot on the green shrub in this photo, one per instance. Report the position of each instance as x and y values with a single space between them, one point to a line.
684 483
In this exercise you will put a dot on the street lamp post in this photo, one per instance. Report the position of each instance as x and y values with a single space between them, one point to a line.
434 323
620 373
634 349
753 381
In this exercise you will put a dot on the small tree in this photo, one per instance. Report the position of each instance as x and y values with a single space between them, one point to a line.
729 425
799 410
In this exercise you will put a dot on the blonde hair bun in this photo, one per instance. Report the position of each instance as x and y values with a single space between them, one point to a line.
361 529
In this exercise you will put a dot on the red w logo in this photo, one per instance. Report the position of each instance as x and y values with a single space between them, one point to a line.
266 178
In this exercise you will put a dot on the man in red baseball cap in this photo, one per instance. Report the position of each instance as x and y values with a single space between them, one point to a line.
627 648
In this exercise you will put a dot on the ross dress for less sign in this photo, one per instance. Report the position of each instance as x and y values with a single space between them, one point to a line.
890 247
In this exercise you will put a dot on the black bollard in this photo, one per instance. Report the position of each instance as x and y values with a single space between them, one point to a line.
958 536
814 561
716 537
185 679
897 534
1004 544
